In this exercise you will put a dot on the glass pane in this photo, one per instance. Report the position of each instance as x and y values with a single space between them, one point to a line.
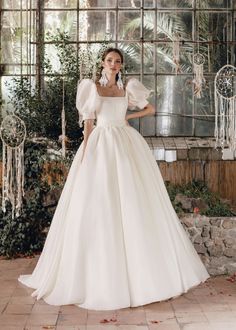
60 4
97 3
16 69
170 24
95 24
212 26
129 3
129 25
215 4
174 105
165 58
147 124
16 37
174 3
64 21
148 59
16 4
204 110
6 84
132 57
148 25
149 3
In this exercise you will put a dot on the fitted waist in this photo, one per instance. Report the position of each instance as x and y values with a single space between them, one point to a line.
107 122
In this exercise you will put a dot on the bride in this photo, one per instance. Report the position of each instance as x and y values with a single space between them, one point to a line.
115 240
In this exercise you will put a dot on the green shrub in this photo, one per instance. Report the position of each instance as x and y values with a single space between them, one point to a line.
198 189
24 234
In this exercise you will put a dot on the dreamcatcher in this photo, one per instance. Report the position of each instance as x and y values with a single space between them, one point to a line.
13 134
225 107
199 80
225 102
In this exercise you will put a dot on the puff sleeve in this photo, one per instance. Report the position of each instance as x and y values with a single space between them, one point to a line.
86 100
137 94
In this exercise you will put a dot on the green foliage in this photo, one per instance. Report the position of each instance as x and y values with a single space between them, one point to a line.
41 109
24 234
198 189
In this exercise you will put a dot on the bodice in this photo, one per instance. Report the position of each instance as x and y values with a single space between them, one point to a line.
111 110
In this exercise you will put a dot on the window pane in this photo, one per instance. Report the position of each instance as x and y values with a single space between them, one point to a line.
132 57
216 4
147 124
204 110
94 25
129 3
148 25
149 3
148 65
60 4
16 37
64 21
212 26
16 4
129 25
174 3
174 104
97 3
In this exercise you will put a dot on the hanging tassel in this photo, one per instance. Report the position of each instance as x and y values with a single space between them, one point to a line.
13 178
176 53
199 80
62 137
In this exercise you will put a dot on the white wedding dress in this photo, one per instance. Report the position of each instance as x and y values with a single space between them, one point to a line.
115 240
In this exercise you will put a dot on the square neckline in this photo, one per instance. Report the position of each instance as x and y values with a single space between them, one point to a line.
110 96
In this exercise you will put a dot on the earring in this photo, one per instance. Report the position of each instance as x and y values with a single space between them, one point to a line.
119 81
103 80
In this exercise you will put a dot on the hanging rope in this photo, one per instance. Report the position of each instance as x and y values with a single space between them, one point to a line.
176 53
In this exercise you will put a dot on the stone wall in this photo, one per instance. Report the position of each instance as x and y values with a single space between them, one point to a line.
214 239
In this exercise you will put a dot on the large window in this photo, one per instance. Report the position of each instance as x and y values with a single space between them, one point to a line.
146 31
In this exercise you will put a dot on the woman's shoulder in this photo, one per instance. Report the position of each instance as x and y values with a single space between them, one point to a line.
135 85
131 81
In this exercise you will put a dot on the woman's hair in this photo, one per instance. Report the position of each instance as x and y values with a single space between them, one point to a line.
111 49
104 55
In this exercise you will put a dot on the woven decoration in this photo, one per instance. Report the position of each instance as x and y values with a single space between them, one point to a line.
176 53
199 80
13 134
225 107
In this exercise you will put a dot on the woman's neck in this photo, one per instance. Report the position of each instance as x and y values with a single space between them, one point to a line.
111 80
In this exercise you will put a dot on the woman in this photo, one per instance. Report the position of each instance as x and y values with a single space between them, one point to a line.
115 240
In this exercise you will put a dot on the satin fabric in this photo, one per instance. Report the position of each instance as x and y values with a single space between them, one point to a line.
115 240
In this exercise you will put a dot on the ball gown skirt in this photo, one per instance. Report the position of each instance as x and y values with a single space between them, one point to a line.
115 240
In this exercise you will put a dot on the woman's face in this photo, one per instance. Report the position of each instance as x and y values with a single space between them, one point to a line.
112 63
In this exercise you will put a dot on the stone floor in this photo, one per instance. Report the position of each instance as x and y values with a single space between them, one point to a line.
210 306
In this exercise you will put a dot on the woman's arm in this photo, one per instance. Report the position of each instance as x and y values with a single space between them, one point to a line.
88 127
147 111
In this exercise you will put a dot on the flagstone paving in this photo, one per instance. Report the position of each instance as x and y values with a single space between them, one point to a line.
209 306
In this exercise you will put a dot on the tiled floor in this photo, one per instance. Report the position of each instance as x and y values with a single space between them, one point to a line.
210 306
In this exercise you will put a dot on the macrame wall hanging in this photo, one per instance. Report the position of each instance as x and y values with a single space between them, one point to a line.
13 134
198 64
225 100
199 80
176 52
63 120
225 107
